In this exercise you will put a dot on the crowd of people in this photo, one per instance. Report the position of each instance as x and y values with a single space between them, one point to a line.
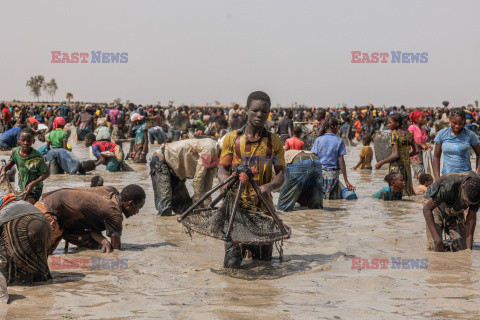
298 152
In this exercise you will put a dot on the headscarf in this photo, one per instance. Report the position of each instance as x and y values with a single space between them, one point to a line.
59 121
136 116
415 115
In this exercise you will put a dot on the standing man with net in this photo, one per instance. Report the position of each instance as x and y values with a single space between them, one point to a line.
254 146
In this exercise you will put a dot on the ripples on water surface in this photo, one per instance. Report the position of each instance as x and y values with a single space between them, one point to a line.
173 276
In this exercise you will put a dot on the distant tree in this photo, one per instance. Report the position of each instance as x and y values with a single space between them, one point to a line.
170 103
217 102
476 103
69 96
35 84
117 101
127 102
51 88
445 103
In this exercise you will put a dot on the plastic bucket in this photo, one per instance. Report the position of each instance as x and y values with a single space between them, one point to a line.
348 194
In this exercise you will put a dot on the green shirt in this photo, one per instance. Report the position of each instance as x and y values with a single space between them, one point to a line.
56 138
29 168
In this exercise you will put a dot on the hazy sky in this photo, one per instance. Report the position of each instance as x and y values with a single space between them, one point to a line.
202 51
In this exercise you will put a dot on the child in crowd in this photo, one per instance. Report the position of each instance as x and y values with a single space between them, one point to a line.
425 180
366 154
294 143
31 166
57 138
394 190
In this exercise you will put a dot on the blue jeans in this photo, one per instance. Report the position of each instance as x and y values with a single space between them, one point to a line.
62 161
303 184
155 134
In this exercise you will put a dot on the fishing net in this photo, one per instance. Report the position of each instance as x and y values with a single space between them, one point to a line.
381 145
250 226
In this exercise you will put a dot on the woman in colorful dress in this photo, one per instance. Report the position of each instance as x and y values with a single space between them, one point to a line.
418 120
403 147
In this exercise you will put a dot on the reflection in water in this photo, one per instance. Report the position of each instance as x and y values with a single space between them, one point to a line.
173 276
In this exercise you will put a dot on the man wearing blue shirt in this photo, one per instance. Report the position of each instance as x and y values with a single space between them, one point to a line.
8 139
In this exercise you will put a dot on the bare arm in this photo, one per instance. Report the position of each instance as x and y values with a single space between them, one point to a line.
393 157
476 149
428 214
276 182
437 153
7 167
343 169
359 163
470 224
116 243
415 148
100 239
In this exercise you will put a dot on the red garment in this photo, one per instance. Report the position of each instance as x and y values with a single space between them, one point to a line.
294 144
358 125
58 121
32 120
7 115
104 146
415 115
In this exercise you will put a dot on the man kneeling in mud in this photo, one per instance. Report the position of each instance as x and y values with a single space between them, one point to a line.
81 214
446 201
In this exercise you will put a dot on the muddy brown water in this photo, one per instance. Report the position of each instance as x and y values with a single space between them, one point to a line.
165 274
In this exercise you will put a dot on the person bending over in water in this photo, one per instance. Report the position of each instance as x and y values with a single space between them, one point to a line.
97 181
446 201
396 183
83 213
25 239
425 180
107 153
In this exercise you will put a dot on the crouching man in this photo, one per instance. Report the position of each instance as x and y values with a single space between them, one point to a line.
80 215
171 165
303 181
446 201
107 153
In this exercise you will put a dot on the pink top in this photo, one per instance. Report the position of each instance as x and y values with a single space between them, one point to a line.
419 135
